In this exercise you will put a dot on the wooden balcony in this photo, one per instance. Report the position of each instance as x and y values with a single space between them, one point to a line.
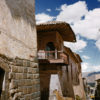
57 57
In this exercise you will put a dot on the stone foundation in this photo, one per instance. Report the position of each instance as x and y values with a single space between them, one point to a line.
21 79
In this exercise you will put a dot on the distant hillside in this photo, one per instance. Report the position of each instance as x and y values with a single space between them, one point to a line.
91 76
93 73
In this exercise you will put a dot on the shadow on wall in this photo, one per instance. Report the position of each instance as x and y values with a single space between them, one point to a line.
22 9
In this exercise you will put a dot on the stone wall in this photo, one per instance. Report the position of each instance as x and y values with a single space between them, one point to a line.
21 79
17 28
18 50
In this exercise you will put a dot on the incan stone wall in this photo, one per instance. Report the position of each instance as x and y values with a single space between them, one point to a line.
18 51
22 79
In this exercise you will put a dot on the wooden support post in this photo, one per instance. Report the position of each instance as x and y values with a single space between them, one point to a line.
44 85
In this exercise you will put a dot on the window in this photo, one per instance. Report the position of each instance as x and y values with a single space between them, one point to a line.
50 50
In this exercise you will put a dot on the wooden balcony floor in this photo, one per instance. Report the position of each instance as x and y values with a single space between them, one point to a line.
52 61
56 60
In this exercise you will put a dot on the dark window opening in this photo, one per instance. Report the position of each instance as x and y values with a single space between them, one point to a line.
50 50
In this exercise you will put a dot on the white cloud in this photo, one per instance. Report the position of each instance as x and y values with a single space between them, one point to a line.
86 67
85 57
98 0
72 13
49 10
89 27
42 17
78 46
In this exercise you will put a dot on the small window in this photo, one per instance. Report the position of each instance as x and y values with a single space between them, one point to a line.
50 50
50 46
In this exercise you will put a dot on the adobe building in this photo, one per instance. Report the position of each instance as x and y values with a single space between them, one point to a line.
56 59
79 88
52 57
75 75
19 73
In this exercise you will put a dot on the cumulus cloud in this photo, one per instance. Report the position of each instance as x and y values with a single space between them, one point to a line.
42 17
98 0
72 13
49 10
83 21
78 46
85 57
86 67
89 27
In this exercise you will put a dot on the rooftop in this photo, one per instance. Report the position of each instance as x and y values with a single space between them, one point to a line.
62 27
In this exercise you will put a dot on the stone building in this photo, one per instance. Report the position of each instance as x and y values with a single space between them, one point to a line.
19 74
56 59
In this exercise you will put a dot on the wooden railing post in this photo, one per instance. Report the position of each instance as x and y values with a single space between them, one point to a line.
55 53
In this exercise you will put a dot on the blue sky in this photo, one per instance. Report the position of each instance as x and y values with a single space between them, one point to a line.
84 18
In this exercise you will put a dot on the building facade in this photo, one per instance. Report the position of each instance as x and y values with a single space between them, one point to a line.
56 59
19 73
20 76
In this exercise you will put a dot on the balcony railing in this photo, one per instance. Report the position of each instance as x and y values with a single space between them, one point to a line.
53 56
49 54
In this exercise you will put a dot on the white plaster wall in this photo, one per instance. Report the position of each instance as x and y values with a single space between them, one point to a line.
17 28
54 84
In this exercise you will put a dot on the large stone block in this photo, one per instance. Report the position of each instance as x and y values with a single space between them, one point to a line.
14 68
35 76
35 95
34 65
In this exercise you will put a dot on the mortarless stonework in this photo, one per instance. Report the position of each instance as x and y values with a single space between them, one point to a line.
22 79
18 51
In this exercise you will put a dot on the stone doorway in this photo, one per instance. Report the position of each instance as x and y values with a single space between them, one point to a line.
2 74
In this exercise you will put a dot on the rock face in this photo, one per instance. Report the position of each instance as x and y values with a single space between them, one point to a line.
19 74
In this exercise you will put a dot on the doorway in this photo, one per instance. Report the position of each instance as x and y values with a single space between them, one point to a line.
2 73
